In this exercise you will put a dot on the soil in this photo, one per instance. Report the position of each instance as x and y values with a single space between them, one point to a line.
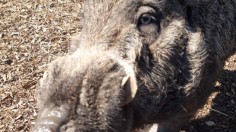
219 114
35 32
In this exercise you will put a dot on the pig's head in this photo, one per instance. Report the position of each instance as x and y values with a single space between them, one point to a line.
133 59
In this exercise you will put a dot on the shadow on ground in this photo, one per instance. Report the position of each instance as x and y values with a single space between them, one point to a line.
222 116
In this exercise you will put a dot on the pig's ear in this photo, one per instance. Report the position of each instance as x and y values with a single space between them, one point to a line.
129 84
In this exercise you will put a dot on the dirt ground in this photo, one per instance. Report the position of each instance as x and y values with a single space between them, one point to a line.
34 32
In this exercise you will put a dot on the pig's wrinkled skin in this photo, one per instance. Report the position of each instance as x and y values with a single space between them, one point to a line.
137 63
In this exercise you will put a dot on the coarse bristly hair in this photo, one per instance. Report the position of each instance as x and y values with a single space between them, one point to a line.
136 63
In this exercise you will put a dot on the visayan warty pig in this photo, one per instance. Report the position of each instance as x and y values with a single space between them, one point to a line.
136 63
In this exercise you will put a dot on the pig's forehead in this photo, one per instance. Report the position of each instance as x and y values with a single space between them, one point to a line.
102 6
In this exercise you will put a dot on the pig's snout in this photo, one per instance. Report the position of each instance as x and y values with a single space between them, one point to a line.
78 86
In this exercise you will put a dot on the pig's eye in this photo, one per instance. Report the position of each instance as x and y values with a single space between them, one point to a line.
148 23
147 19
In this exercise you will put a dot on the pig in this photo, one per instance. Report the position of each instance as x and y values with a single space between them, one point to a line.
136 63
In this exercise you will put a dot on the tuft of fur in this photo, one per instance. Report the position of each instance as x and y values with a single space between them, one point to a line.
175 60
